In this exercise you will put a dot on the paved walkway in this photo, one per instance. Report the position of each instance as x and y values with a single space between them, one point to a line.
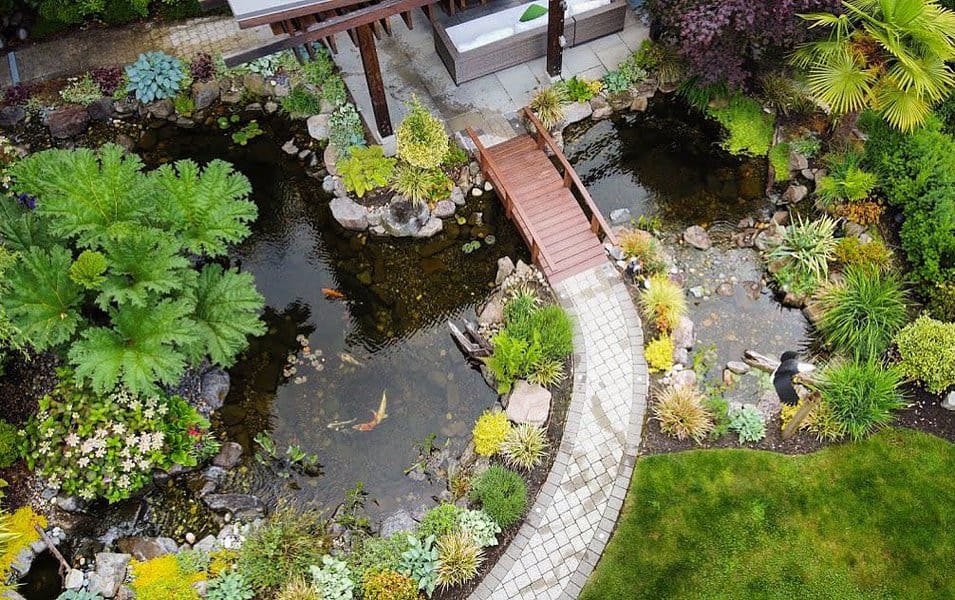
563 537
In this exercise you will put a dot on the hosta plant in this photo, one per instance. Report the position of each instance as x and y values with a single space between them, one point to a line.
480 527
154 76
748 423
230 586
333 579
525 446
421 138
366 169
420 563
459 558
345 130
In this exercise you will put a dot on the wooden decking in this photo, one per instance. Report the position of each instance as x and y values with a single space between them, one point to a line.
547 201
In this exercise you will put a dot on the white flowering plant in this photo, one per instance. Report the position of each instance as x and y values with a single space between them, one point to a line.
108 446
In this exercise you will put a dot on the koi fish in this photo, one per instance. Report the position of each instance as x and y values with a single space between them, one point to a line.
339 425
348 358
379 416
331 294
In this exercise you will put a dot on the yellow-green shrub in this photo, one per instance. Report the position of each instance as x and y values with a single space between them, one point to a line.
927 348
420 138
162 578
20 532
659 353
489 432
663 302
389 585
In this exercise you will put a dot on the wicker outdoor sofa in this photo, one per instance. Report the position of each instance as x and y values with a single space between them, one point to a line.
497 41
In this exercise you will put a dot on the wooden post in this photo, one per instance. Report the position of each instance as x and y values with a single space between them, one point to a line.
376 86
555 31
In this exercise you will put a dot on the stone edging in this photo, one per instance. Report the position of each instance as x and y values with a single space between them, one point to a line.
569 525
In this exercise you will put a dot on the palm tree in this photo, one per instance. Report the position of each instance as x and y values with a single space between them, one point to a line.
887 55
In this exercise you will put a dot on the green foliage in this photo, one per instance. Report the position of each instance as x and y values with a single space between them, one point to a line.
941 303
502 494
249 131
301 102
871 256
525 446
389 585
154 76
440 521
456 157
548 105
779 159
511 358
641 245
107 446
481 527
578 89
161 313
283 548
375 553
719 408
489 432
927 350
366 169
184 105
420 185
547 372
750 129
847 181
548 327
83 91
784 94
9 444
806 249
421 138
917 174
79 595
862 313
230 585
808 146
748 423
663 302
797 523
345 129
681 413
333 579
318 69
420 563
459 558
861 395
334 91
193 561
615 82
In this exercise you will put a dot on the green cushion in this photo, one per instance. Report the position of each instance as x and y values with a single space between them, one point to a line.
534 11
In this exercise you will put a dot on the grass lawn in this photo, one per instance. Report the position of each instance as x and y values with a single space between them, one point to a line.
874 519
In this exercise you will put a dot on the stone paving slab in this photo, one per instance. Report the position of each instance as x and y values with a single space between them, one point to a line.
569 525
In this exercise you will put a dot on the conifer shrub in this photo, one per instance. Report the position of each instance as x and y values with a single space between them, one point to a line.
502 494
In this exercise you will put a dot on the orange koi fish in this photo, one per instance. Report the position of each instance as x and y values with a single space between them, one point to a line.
331 294
378 416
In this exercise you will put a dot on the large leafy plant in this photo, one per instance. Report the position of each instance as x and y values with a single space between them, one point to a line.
154 76
106 276
366 169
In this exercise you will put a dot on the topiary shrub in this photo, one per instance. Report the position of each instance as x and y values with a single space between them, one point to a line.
389 585
927 351
861 395
681 413
489 432
366 169
459 558
748 423
502 494
421 138
154 76
284 547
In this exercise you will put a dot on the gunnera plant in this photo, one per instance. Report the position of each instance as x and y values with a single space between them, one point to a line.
502 494
862 313
663 303
459 558
154 76
525 446
421 139
861 394
283 548
682 414
548 105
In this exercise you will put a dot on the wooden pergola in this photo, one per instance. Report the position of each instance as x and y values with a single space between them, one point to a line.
298 23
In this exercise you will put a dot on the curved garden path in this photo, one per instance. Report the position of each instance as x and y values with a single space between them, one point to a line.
558 545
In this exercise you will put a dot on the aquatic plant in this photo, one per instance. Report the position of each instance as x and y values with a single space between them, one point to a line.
501 493
525 446
489 432
659 353
805 251
283 548
861 394
230 585
420 562
160 577
154 76
862 312
83 91
333 579
927 350
249 131
680 411
459 558
388 585
748 423
480 526
548 105
366 169
421 138
663 302
373 553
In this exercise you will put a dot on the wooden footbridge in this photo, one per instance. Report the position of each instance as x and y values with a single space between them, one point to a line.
545 198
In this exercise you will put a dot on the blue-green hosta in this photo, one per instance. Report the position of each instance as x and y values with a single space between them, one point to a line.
105 274
154 76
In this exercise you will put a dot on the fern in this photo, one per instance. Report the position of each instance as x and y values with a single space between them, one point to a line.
140 263
206 209
225 304
88 268
42 301
86 195
140 350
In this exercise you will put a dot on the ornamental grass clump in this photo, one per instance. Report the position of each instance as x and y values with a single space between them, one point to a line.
642 246
927 350
421 139
861 395
681 413
804 253
548 105
502 494
459 558
299 589
284 547
525 446
489 432
663 303
862 313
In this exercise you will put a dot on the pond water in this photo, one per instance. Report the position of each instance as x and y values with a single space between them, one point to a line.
667 163
387 334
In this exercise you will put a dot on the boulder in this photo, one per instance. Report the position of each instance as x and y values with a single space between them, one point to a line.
457 196
146 548
404 218
683 334
813 312
949 402
110 573
793 194
101 110
290 148
74 580
528 403
444 209
798 161
207 544
349 214
11 116
769 238
620 216
256 84
640 103
681 356
160 109
318 127
697 237
229 456
738 367
240 505
780 217
330 158
684 377
399 521
68 503
505 266
68 121
493 311
204 94
576 112
432 227
22 562
600 108
214 387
